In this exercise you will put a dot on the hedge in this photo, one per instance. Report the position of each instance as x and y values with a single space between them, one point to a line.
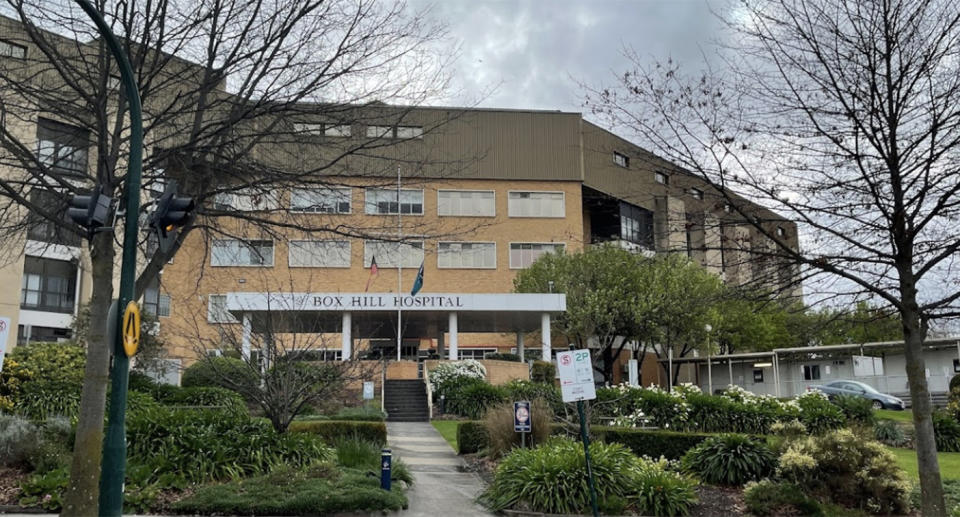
332 430
653 443
471 437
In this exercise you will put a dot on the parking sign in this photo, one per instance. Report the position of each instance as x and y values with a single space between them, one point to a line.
576 375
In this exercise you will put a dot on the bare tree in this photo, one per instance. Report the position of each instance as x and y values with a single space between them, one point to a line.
238 98
845 116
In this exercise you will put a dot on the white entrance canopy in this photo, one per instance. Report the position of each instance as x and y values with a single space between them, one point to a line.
426 314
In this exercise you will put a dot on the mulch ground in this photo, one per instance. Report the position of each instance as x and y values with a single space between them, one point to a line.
10 485
719 502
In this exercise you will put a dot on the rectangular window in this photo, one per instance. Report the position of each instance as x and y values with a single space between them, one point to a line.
379 132
337 130
475 353
42 229
467 255
308 128
246 200
696 193
319 254
217 310
524 254
10 49
811 372
636 225
232 252
469 203
321 200
386 253
48 285
409 132
383 201
758 375
781 232
621 159
156 302
536 204
956 366
661 178
61 147
314 355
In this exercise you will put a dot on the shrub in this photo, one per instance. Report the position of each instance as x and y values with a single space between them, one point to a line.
361 414
219 372
946 430
332 430
890 433
40 399
500 430
855 409
954 382
139 381
18 440
472 437
768 497
528 390
501 356
365 455
818 414
730 459
662 492
472 400
669 444
543 371
449 375
710 413
848 470
207 397
789 429
45 490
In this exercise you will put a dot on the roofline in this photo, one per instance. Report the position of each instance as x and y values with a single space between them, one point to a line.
953 340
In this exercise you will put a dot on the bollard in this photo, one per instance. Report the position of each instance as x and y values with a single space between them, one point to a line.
443 404
386 458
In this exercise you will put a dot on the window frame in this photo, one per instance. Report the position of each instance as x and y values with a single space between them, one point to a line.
486 268
269 200
13 47
309 128
417 130
367 204
809 370
781 232
388 134
623 157
273 251
210 312
758 379
473 352
349 254
661 177
382 264
494 192
510 249
42 290
335 130
696 193
349 199
60 129
563 200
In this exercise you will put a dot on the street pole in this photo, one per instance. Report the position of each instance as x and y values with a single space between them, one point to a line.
115 444
586 457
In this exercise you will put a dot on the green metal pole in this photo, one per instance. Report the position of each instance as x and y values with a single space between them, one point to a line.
586 454
115 442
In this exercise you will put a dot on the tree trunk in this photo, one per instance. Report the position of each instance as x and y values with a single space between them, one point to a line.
932 502
82 494
607 355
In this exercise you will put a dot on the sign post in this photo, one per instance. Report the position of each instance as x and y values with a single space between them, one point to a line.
521 420
4 332
576 384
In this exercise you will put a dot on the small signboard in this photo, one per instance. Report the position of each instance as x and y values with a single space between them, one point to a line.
4 332
576 375
521 416
368 390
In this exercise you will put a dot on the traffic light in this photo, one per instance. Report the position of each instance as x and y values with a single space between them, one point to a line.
91 212
171 213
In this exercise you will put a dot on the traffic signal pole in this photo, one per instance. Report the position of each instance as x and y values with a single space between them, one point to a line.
115 444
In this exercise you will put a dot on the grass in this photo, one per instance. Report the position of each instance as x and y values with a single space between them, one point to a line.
364 455
903 417
448 429
949 463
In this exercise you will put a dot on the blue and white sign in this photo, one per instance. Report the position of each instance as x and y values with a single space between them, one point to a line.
521 416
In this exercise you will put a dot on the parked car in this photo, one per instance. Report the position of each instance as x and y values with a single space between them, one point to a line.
859 389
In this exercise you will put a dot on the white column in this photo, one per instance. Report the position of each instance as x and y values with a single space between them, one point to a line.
346 337
453 336
520 346
545 336
729 368
247 332
670 369
709 372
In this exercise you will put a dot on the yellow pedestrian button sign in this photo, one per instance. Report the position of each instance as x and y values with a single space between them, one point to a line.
131 329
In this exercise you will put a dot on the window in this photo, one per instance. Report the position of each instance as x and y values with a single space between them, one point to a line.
758 375
61 147
230 252
661 178
956 366
409 132
48 285
321 200
386 253
246 200
154 301
217 310
314 355
524 254
781 232
10 49
307 128
475 353
621 159
636 225
42 229
379 132
319 254
338 130
384 201
480 203
33 334
811 372
727 208
467 255
696 193
536 204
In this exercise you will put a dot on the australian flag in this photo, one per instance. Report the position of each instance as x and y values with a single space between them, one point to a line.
418 283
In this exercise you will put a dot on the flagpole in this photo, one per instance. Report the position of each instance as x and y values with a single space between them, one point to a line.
399 265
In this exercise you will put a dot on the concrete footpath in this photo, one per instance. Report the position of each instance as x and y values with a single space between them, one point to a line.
439 487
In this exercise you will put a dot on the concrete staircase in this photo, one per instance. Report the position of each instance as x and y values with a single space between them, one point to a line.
406 401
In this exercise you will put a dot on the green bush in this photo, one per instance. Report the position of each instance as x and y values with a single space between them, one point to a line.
18 439
817 414
776 498
207 397
40 399
713 414
45 490
361 413
502 356
669 444
543 371
473 399
730 459
472 437
451 376
550 479
364 455
527 390
946 430
501 433
889 432
219 372
333 430
954 382
139 381
855 409
662 492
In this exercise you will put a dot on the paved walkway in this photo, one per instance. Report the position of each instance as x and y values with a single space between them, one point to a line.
439 487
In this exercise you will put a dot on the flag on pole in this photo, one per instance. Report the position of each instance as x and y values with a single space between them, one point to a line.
373 272
418 283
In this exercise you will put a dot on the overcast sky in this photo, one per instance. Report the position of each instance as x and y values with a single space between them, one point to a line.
530 54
